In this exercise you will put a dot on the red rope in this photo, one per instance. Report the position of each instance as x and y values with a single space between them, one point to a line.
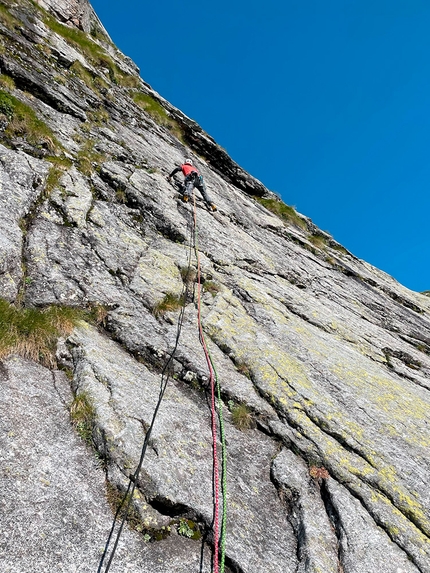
212 387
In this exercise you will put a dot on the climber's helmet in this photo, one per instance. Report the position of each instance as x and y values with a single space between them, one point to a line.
188 162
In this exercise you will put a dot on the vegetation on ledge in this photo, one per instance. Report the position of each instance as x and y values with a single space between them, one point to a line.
170 303
283 211
33 332
82 415
157 112
22 121
90 49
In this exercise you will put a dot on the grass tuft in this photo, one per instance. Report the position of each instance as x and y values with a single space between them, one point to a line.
121 196
118 503
92 51
188 274
98 315
242 368
340 249
59 166
318 241
33 333
212 287
157 112
23 122
89 160
99 34
99 116
94 82
170 303
241 417
53 179
6 82
82 73
7 19
82 415
7 106
283 211
77 38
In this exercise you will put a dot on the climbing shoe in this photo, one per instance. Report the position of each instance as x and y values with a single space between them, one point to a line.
212 207
185 198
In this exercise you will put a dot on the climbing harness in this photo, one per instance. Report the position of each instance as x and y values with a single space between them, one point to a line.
216 407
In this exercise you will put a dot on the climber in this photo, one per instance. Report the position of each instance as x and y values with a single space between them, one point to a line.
192 179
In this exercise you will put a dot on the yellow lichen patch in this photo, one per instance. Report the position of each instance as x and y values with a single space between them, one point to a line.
229 324
397 524
278 373
293 388
393 397
355 429
156 275
404 500
348 466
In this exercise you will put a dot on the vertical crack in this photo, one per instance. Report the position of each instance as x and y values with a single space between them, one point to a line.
300 494
289 498
62 399
336 522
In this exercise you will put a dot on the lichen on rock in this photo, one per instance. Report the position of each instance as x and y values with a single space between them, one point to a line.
328 356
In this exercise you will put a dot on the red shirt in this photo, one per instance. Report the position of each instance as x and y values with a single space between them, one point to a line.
187 169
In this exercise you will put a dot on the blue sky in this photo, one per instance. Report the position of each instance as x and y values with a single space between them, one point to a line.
327 103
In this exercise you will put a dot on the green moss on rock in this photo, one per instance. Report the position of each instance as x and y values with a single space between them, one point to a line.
24 122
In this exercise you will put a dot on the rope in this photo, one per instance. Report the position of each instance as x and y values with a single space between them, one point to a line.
165 375
215 389
224 466
214 386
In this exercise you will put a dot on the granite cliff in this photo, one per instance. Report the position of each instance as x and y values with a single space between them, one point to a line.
323 360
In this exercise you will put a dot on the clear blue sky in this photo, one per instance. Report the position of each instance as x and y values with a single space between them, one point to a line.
327 103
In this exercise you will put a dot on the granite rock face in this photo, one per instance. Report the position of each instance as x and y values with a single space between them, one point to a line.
78 13
327 355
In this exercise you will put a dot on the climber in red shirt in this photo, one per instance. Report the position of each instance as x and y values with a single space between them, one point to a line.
192 179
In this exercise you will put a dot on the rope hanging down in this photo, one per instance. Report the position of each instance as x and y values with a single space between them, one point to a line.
223 467
215 388
127 498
